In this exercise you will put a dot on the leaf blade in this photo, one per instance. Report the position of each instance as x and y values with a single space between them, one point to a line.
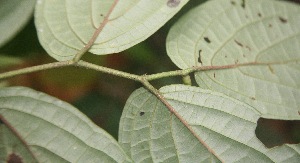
65 27
14 14
264 33
225 124
51 127
11 146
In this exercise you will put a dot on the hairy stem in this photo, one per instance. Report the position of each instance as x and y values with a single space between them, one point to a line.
108 70
144 79
27 70
88 65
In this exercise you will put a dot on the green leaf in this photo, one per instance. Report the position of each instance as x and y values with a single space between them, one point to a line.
14 14
53 130
149 133
11 146
65 27
264 34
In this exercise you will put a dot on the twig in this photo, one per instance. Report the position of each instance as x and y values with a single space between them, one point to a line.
28 70
88 65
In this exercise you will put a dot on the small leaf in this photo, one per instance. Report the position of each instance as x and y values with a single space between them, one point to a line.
55 131
65 27
264 34
14 14
226 125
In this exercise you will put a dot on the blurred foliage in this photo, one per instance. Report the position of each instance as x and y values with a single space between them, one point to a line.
103 110
25 44
6 61
101 96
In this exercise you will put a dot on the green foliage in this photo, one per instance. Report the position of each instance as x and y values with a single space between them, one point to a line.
53 130
14 14
150 134
65 27
10 143
264 32
245 59
8 61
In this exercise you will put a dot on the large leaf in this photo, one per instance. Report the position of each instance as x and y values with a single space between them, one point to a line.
52 130
149 133
65 27
263 33
14 14
11 147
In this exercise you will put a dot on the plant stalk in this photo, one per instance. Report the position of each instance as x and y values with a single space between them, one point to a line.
151 77
126 75
27 70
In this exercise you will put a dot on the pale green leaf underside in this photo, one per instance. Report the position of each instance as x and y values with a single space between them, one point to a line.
14 14
226 32
55 130
10 145
149 133
65 27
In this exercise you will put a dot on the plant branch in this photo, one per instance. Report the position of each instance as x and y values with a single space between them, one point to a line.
144 79
96 34
88 65
35 69
187 71
169 74
108 70
173 111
